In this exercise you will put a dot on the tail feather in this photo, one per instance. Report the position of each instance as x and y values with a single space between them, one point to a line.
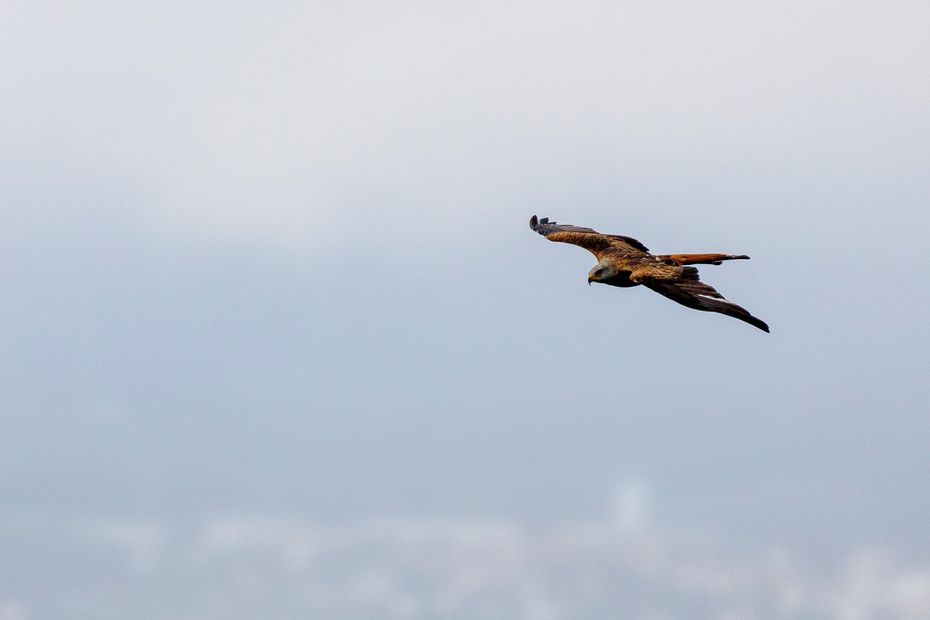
701 259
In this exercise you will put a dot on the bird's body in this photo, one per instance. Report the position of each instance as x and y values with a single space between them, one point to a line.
625 262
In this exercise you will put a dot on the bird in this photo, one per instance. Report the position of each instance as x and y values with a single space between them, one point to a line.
625 262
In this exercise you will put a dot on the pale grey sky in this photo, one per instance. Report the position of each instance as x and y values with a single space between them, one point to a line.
271 262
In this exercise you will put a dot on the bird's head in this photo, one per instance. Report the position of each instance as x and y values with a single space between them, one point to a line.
600 273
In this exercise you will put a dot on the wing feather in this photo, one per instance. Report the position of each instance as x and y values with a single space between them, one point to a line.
587 238
689 291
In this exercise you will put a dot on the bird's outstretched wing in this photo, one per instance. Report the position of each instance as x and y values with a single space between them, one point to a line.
591 240
689 291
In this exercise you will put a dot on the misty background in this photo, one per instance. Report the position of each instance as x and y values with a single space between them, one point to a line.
276 340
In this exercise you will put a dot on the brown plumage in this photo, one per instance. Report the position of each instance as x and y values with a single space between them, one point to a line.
624 261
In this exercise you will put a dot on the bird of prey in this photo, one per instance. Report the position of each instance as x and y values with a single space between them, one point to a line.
624 261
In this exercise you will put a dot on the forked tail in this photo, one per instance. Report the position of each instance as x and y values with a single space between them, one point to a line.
700 259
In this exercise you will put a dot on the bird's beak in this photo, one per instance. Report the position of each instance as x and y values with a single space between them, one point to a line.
590 280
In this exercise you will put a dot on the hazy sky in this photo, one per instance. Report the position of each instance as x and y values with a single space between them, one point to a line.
273 259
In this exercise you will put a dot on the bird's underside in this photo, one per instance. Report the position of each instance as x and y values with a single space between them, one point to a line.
624 261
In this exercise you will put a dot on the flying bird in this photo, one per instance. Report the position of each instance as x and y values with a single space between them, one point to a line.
625 262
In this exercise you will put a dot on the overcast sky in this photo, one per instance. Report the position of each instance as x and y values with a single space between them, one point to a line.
273 259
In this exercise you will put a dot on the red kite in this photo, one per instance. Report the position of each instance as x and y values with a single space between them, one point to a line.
624 261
